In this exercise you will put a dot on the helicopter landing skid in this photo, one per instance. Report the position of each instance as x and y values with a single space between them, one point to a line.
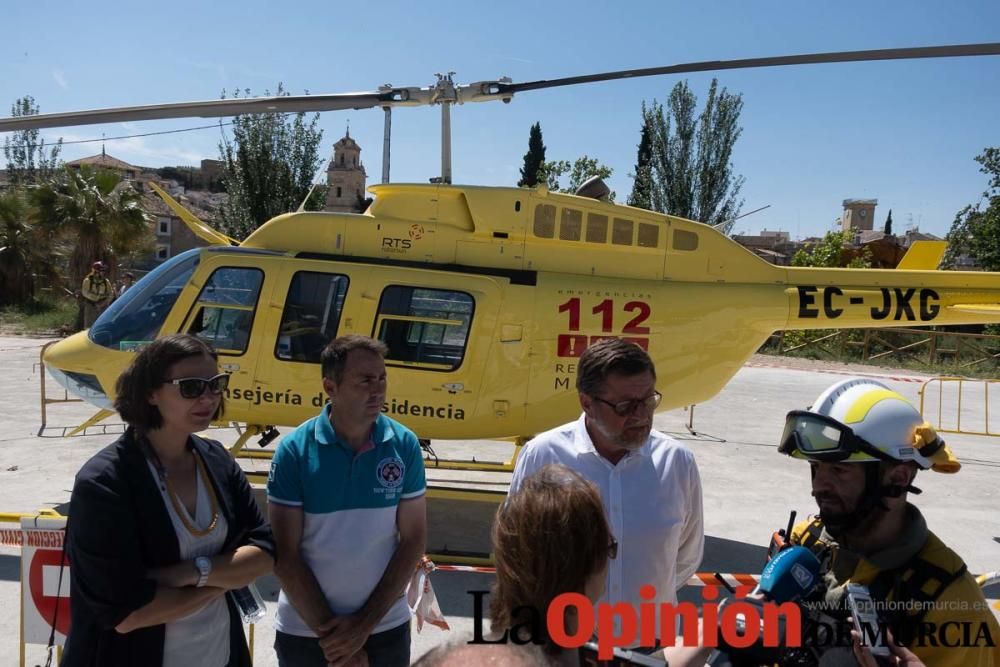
433 461
267 434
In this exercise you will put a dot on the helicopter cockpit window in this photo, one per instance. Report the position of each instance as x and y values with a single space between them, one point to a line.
649 235
545 221
136 317
570 225
597 228
424 328
621 232
312 315
223 314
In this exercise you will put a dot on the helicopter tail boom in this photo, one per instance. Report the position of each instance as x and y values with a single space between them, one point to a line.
851 298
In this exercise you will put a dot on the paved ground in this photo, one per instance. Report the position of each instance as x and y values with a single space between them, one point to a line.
749 489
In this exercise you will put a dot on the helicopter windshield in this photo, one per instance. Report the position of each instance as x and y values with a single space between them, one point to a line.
137 316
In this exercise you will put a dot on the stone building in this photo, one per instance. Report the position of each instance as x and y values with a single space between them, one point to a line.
858 214
345 177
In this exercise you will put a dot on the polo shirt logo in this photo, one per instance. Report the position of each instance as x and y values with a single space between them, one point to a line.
389 472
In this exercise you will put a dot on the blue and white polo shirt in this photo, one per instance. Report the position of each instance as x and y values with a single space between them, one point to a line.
349 504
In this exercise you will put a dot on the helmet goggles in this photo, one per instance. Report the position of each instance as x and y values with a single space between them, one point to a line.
821 438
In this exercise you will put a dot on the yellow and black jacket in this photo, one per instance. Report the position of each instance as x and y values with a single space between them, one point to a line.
96 288
932 603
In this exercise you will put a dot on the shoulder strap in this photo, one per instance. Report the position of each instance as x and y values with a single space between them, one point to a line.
811 537
918 580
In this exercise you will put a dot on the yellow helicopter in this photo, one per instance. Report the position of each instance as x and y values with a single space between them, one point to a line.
486 296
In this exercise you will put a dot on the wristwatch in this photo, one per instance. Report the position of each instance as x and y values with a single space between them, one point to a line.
204 566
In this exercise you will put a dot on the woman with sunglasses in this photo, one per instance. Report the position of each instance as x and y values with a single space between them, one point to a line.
162 523
551 537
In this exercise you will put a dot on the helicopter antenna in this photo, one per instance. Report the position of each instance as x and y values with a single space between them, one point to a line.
726 225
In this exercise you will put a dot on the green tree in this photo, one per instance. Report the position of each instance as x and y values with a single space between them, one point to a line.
975 232
642 184
888 224
28 161
101 215
830 253
533 159
268 167
578 171
692 172
24 250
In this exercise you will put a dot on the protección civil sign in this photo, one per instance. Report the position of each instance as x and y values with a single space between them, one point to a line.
44 598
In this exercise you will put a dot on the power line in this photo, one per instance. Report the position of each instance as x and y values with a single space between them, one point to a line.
133 136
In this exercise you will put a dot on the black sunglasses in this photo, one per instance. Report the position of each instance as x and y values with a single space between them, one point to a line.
613 549
626 408
195 387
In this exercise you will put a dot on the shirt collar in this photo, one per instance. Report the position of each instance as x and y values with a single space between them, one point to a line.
325 435
583 444
910 542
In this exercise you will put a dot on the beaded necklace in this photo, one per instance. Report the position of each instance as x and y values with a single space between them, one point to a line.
181 512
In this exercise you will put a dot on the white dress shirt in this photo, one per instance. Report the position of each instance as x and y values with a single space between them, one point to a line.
652 499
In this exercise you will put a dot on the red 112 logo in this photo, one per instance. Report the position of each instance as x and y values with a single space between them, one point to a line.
573 344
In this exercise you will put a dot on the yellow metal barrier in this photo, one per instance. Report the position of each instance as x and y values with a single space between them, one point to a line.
44 399
961 392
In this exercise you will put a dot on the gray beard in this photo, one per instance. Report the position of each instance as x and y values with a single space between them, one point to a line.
621 441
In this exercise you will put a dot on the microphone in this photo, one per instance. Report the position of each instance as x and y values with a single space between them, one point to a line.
793 573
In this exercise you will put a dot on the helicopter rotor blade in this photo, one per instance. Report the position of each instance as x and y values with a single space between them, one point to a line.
207 109
990 49
445 91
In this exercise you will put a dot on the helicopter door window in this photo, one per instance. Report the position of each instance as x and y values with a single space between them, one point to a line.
545 221
649 235
223 314
570 225
311 316
621 232
424 328
597 228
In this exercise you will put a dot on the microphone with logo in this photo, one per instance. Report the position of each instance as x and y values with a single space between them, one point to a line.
791 575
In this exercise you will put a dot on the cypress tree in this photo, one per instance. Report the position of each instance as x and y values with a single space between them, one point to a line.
533 159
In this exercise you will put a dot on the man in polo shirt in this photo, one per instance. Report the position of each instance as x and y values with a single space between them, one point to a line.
347 507
649 482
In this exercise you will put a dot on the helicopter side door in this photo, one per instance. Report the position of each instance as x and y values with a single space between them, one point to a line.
447 378
313 302
227 314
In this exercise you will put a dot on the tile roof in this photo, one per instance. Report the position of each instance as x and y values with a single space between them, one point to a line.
104 160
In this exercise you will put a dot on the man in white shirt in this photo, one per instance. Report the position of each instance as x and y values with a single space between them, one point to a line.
648 481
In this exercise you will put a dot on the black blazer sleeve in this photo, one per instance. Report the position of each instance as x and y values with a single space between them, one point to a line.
104 550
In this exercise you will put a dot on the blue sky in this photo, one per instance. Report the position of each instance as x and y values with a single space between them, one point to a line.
905 133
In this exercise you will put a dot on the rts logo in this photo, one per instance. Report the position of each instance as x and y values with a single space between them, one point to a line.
392 244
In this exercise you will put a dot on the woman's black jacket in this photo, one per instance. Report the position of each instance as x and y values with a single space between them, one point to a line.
119 529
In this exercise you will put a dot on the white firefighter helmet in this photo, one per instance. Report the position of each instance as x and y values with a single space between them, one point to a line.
882 418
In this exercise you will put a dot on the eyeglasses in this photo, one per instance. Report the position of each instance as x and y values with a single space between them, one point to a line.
822 438
195 387
626 408
613 549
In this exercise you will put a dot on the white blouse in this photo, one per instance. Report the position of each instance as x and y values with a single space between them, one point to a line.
202 637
